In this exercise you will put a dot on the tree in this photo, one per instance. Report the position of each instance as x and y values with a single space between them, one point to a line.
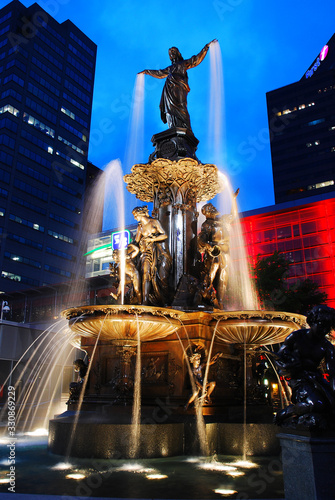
276 294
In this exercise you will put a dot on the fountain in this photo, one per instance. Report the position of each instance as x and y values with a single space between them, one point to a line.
183 316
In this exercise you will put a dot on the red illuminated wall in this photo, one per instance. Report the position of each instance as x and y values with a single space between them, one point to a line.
305 234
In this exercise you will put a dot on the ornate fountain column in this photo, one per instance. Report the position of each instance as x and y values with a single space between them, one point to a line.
175 187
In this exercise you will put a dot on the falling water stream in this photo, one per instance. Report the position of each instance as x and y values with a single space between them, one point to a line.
82 393
136 410
48 354
216 124
135 141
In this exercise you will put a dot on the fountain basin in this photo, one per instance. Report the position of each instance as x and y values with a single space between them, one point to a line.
255 328
121 324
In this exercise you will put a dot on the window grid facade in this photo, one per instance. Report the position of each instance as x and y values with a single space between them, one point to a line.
43 161
305 235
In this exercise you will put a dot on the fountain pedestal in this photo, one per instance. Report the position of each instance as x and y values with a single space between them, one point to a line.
308 466
174 143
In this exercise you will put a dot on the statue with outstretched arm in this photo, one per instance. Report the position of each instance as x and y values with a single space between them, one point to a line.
173 104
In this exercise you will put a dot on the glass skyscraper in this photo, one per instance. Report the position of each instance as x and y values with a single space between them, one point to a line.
302 131
47 75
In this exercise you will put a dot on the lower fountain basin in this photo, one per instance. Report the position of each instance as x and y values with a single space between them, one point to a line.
122 324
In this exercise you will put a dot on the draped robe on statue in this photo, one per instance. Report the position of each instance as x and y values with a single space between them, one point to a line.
173 104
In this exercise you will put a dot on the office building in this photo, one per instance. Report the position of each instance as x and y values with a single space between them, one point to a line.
304 233
302 131
47 76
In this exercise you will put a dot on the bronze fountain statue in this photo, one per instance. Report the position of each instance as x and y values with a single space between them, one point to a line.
173 104
176 279
299 359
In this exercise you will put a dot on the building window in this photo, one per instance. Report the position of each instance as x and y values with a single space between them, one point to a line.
34 174
76 103
7 141
43 96
58 253
30 206
81 43
13 78
4 176
64 204
18 64
80 67
67 222
73 130
48 56
41 111
12 93
38 142
17 277
8 108
73 146
77 92
57 270
70 160
27 188
62 237
320 185
5 17
78 79
81 56
77 118
25 241
35 157
52 45
39 125
46 69
25 222
44 83
6 158
8 124
23 260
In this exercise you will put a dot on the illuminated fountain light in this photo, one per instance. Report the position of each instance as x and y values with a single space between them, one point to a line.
136 468
156 476
37 432
217 466
75 475
62 466
4 480
245 464
236 473
225 491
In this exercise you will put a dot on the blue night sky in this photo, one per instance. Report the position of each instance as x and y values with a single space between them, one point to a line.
264 45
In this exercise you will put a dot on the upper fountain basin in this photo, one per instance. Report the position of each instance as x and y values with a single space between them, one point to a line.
123 323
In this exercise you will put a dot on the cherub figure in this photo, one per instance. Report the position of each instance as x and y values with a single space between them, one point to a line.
132 276
81 368
299 359
197 367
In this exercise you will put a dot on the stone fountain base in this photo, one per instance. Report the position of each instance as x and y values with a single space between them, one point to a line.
105 439
167 337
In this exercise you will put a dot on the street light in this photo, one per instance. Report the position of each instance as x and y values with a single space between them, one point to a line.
4 308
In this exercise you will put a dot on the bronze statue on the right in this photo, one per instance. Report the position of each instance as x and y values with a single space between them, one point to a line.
299 360
214 242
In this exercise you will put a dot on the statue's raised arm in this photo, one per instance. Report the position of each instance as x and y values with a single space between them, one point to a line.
173 104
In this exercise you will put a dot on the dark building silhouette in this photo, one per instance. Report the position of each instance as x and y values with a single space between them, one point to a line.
302 131
47 75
